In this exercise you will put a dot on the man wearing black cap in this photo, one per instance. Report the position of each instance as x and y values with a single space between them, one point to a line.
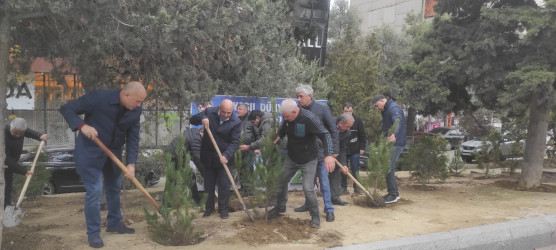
391 112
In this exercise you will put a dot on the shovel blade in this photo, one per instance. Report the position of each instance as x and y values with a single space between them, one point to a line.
248 213
12 216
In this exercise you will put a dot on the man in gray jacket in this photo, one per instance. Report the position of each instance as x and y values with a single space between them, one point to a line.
304 94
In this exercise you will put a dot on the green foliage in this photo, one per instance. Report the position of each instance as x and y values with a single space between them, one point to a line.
268 167
457 164
146 164
185 50
40 177
378 165
343 22
353 76
490 154
426 159
175 227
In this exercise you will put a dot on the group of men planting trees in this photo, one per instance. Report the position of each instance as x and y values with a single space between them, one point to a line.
312 141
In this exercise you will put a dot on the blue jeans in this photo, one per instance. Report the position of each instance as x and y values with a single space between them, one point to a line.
289 169
391 176
322 173
112 186
354 167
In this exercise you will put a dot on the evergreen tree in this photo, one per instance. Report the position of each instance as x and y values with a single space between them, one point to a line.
457 164
175 226
426 160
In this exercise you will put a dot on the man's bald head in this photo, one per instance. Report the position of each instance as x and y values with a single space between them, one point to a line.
226 108
132 95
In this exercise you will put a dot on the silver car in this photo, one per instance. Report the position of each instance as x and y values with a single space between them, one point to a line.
470 149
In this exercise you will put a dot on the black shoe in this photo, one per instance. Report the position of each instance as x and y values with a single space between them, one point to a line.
95 241
121 229
357 191
224 215
391 199
345 190
339 202
330 217
303 208
272 203
207 213
275 211
315 221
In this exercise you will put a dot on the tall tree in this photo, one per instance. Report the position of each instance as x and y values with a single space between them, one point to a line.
344 21
352 74
503 52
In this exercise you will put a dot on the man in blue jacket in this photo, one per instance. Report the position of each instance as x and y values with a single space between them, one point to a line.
113 117
391 112
225 126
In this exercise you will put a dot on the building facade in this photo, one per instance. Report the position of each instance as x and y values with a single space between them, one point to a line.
375 13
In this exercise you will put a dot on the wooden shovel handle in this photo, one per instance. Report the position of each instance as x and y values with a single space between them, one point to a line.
353 178
29 177
225 166
124 170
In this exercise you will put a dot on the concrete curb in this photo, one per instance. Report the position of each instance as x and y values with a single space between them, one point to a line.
519 234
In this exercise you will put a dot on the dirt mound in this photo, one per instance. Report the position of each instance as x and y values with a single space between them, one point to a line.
280 229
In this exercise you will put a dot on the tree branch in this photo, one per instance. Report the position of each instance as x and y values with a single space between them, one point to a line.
115 18
29 15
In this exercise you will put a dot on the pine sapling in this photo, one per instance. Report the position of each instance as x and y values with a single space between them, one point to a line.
457 164
175 227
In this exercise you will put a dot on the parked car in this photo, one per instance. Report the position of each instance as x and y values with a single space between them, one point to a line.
470 149
364 159
453 136
64 178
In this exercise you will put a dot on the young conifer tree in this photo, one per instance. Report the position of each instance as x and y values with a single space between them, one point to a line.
175 225
268 167
457 164
378 165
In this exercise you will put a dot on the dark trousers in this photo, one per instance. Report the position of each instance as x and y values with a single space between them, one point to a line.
9 179
215 174
353 160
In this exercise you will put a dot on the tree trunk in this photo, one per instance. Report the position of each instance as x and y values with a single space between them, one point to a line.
410 122
4 47
531 172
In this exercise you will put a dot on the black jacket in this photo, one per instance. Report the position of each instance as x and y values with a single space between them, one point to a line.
14 147
192 144
302 137
323 112
358 137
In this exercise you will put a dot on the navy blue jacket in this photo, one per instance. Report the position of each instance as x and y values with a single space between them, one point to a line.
115 125
226 135
392 112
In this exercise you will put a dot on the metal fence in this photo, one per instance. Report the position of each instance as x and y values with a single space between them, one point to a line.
158 127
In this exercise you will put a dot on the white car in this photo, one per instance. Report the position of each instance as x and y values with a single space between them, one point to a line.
470 149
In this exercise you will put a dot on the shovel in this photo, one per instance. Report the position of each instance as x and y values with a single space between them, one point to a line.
230 175
13 214
379 203
124 170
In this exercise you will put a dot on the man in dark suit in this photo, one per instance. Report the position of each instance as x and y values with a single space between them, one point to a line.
225 126
113 117
14 134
